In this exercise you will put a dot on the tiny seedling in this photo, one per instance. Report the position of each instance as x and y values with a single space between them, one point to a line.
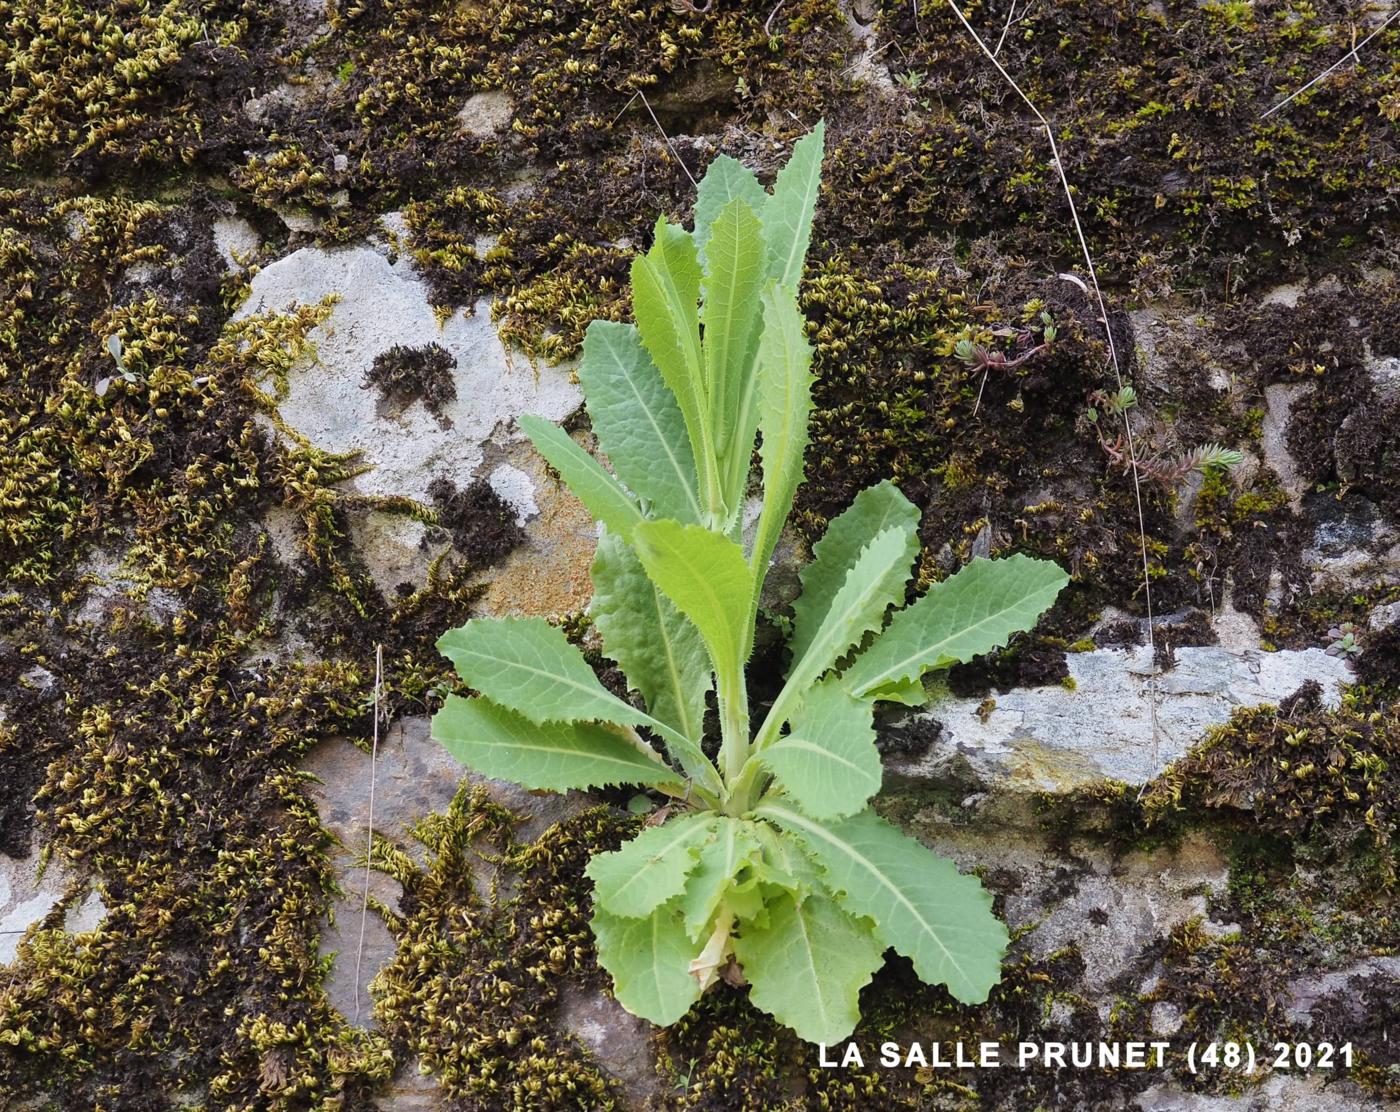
766 866
1165 468
1344 640
118 353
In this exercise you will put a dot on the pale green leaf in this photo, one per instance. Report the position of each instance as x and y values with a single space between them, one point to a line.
874 509
784 862
529 666
921 905
807 966
558 756
637 420
665 301
651 869
724 180
733 276
874 584
970 613
584 475
657 647
827 764
787 217
707 578
784 406
733 847
909 693
649 960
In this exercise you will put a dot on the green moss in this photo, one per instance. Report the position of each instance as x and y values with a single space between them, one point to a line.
473 989
1303 772
166 761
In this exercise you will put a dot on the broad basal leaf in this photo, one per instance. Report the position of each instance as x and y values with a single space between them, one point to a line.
665 301
787 218
658 648
722 858
784 389
874 583
724 180
649 960
557 756
827 764
874 509
922 906
646 872
733 274
707 578
968 614
808 965
528 665
585 476
637 420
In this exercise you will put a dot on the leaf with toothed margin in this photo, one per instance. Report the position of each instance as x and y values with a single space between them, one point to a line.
972 612
666 303
787 218
651 869
649 960
558 756
730 315
528 665
784 405
637 420
708 579
806 967
827 764
584 475
725 179
920 904
874 583
658 649
733 846
874 509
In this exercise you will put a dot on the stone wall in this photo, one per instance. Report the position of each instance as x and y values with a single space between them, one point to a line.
342 249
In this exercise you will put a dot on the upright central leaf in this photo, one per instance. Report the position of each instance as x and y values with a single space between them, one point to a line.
665 300
725 178
637 421
787 218
784 407
706 576
733 274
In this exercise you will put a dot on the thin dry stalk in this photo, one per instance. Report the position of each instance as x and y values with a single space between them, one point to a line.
369 823
1113 356
1010 16
1349 55
674 153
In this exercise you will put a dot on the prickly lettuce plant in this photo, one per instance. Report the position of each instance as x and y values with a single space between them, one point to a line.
769 867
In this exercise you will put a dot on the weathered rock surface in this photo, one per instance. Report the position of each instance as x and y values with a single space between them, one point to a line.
380 305
1059 737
